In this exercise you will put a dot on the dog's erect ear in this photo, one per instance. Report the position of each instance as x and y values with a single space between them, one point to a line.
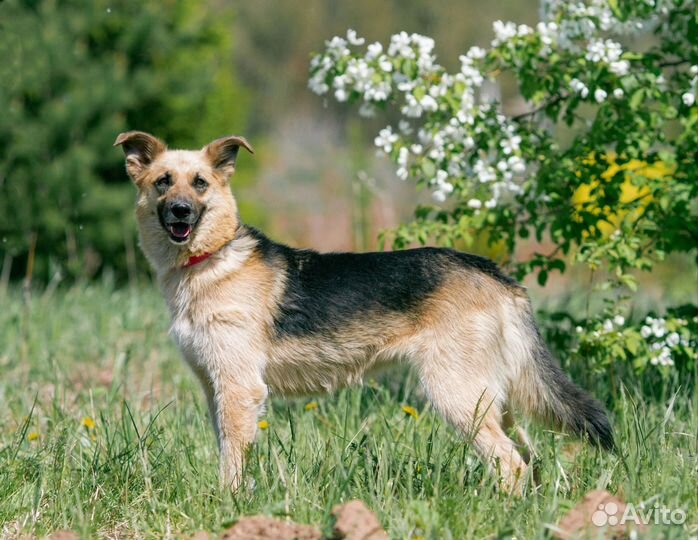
222 153
140 149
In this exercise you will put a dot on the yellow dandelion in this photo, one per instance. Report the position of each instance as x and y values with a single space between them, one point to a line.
410 411
33 436
263 424
311 406
88 422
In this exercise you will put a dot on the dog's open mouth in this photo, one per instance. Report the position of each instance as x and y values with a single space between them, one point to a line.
179 231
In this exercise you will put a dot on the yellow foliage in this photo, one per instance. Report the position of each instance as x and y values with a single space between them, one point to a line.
583 198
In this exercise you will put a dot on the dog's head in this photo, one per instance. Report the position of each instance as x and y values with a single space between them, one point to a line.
185 206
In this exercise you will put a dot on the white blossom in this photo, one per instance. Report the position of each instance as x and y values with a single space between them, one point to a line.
385 139
689 98
673 339
503 32
475 203
353 39
600 95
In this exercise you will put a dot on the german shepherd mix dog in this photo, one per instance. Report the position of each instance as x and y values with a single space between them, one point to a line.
252 316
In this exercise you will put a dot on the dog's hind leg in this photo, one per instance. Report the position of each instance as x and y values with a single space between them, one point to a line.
466 393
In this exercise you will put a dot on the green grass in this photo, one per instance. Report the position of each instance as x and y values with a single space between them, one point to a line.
148 468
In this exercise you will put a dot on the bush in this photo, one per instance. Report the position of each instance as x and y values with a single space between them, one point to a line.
602 163
74 75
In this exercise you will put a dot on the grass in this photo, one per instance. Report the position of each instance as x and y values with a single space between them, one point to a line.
103 431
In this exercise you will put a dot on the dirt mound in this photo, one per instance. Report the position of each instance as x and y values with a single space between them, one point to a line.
354 521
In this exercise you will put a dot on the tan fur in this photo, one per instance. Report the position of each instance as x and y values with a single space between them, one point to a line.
223 310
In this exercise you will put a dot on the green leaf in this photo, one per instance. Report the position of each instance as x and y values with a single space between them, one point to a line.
542 278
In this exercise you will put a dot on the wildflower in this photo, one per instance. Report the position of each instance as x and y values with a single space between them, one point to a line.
410 411
618 93
33 436
619 320
311 406
688 99
88 422
600 95
263 424
607 326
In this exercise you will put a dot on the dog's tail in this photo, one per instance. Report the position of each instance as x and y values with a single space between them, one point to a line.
546 392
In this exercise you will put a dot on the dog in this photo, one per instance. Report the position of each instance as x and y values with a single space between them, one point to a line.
252 316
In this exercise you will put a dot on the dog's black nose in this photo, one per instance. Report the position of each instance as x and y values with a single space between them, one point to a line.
181 210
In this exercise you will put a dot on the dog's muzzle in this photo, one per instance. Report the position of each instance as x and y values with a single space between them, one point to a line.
179 218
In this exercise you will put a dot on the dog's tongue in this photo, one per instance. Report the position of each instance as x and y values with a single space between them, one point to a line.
180 230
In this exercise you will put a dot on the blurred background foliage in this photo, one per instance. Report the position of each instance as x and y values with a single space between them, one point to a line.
75 74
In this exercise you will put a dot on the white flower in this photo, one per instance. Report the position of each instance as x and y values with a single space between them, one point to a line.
579 87
619 320
607 51
341 94
428 103
491 203
485 173
402 156
620 67
503 32
658 328
673 339
618 93
600 95
416 149
385 139
510 145
385 64
374 51
353 39
517 164
693 70
475 203
645 332
608 326
688 99
402 173
579 329
476 53
439 196
412 108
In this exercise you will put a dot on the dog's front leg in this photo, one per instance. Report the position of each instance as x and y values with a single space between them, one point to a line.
237 405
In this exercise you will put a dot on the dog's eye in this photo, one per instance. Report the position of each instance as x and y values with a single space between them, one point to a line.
200 184
163 182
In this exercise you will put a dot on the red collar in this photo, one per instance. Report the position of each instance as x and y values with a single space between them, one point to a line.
196 259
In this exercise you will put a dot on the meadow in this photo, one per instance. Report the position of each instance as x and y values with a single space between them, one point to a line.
103 431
